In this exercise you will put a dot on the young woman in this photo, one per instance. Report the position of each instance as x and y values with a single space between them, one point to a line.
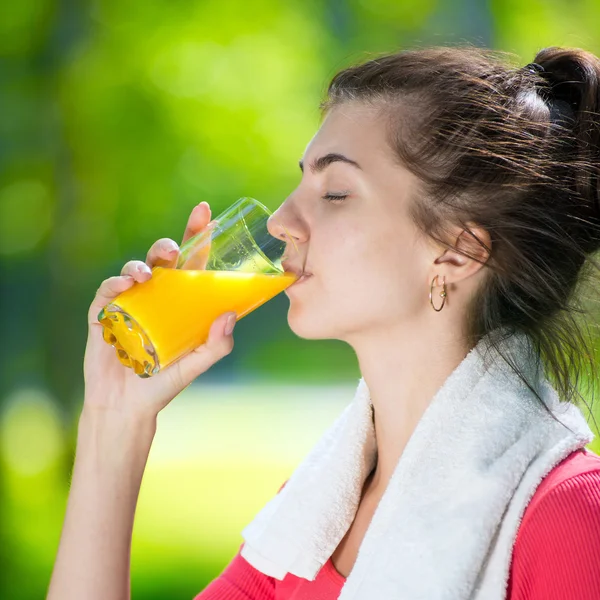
449 202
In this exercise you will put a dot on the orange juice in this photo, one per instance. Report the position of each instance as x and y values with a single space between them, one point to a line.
156 322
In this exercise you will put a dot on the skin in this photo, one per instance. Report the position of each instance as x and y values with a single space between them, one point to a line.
372 272
371 276
115 433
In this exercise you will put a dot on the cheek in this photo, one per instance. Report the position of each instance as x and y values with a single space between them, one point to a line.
359 272
353 292
379 273
366 275
348 260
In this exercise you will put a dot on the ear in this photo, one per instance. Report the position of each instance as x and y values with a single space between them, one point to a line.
473 241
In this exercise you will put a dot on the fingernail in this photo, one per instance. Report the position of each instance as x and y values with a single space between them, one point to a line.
128 278
168 247
230 324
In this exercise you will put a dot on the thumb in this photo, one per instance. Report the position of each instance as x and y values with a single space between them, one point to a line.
218 345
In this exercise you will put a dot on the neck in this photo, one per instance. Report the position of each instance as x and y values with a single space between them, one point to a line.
403 373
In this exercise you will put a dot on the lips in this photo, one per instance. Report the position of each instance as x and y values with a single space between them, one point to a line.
288 268
300 281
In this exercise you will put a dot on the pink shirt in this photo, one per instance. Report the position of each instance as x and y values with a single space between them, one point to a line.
556 555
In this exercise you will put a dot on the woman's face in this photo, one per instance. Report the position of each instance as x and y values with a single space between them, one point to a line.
349 218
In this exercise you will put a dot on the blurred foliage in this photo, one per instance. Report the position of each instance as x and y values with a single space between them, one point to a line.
116 118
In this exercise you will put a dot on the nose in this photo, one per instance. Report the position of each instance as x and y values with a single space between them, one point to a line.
284 228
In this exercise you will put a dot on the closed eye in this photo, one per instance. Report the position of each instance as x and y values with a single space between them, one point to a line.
334 197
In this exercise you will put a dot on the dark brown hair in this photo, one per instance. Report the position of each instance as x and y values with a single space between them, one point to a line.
515 150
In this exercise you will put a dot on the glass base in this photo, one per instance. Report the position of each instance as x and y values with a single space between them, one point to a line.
133 347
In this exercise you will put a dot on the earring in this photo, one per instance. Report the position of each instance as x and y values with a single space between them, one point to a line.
443 294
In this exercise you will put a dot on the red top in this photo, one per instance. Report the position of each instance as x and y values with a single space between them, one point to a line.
556 555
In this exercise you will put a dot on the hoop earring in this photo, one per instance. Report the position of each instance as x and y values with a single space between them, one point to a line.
443 294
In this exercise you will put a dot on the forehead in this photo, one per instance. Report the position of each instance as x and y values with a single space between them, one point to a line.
361 133
356 130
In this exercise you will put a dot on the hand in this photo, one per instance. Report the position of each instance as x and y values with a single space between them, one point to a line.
109 385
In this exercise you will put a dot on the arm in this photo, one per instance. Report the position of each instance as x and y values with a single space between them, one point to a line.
557 555
94 552
116 429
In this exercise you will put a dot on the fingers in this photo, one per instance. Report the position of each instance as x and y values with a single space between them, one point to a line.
107 292
163 253
218 345
197 221
137 269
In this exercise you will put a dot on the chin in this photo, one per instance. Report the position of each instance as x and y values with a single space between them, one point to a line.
309 328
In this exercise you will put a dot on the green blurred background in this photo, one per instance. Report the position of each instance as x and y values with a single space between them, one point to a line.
116 118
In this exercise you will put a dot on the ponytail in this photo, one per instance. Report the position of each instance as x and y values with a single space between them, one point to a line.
573 94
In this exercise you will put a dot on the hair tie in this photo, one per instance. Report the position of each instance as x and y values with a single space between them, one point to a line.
561 112
534 68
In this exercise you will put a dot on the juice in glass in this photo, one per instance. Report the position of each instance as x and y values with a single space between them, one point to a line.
175 309
234 265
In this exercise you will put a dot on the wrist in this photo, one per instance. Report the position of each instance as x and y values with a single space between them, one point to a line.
117 431
109 417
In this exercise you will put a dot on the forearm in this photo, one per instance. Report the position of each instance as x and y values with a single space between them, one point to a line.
93 559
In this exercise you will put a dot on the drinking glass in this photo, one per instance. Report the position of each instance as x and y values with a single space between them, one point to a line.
234 264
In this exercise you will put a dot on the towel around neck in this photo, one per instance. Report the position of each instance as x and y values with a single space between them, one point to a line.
445 526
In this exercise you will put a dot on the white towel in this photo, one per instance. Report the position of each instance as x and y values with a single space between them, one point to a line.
445 526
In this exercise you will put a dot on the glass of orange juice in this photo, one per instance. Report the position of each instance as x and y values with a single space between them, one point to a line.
232 265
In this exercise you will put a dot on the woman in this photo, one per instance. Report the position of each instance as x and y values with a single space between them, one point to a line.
449 203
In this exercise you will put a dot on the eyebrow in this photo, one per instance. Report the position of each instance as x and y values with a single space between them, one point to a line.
321 163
